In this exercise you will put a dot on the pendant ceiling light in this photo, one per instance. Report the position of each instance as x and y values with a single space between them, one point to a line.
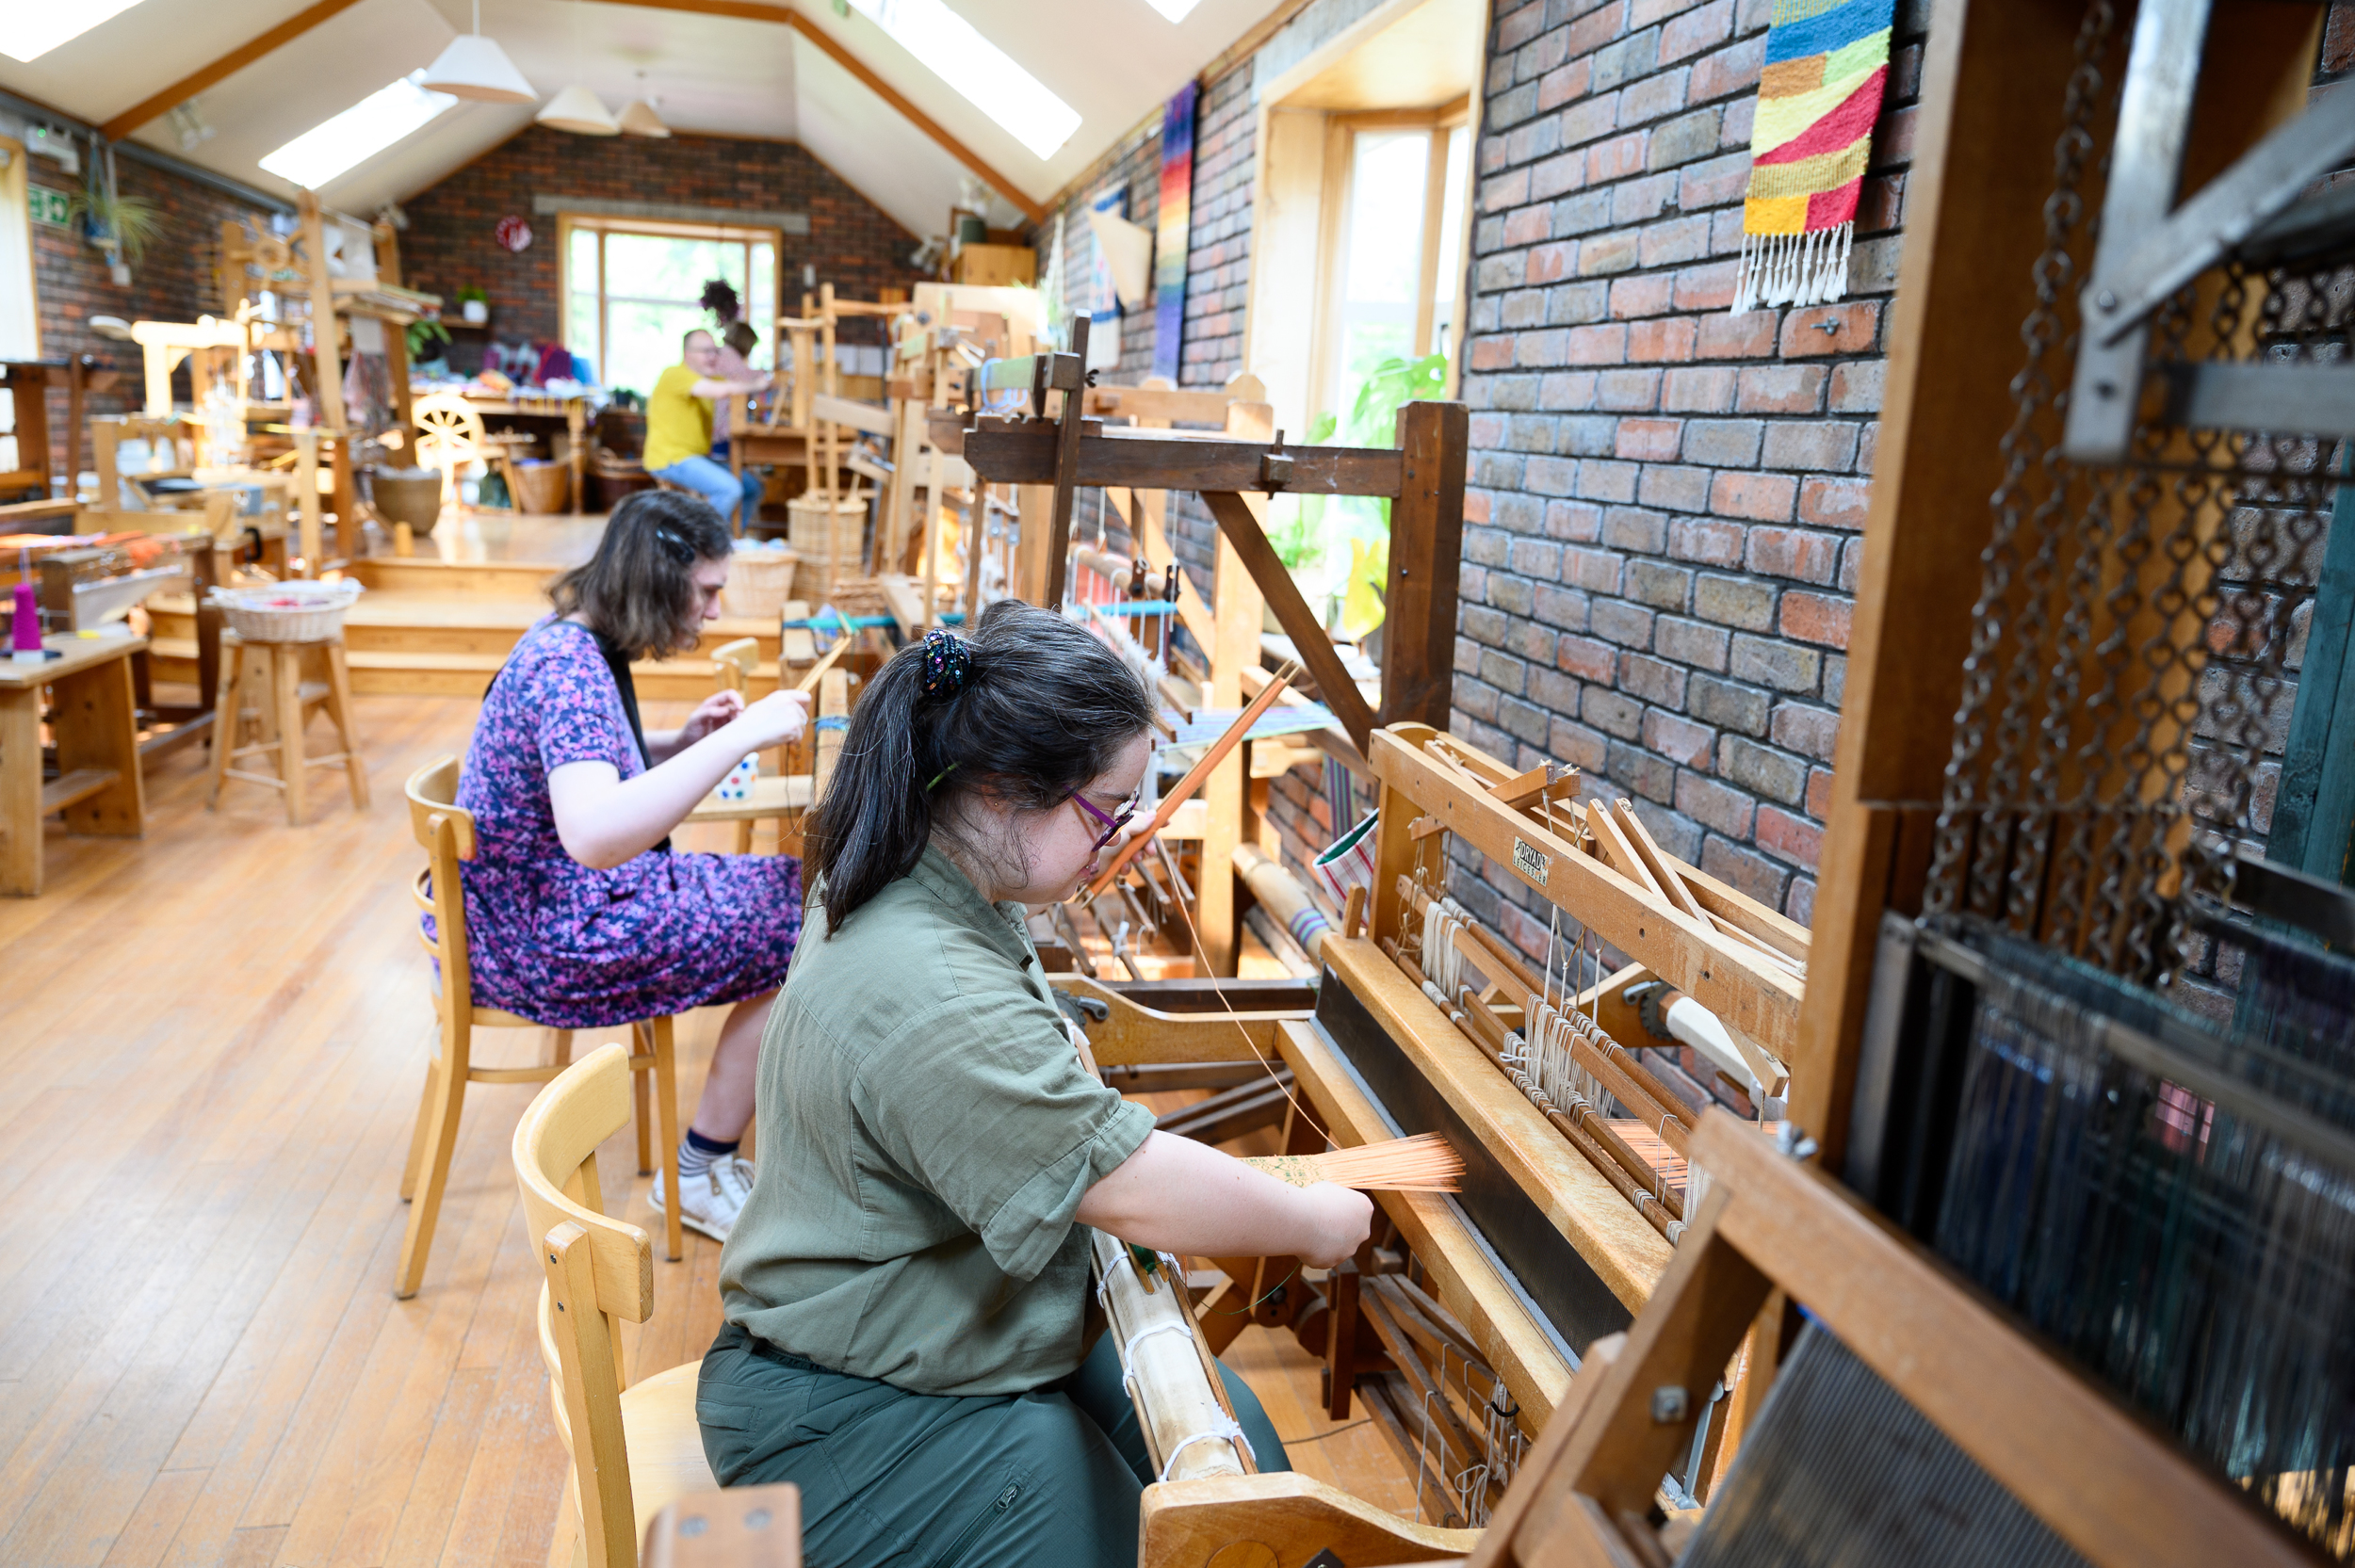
638 119
577 109
476 68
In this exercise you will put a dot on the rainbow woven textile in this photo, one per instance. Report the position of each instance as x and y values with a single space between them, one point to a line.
1827 67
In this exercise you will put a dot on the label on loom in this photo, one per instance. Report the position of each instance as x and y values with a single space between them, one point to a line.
1529 862
738 785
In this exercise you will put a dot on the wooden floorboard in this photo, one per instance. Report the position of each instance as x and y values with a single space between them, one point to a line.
215 1041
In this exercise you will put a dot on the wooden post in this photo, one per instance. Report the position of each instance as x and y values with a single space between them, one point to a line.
1426 559
1238 615
1066 470
307 498
1034 504
324 347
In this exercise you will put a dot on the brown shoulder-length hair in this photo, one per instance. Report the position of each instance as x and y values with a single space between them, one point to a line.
636 592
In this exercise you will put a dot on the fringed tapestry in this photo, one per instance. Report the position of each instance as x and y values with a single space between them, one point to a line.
1827 67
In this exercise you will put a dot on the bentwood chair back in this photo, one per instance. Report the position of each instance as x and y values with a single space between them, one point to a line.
638 1448
447 834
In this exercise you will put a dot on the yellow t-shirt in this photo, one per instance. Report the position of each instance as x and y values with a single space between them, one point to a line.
678 422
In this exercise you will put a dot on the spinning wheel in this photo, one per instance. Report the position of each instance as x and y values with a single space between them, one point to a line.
450 433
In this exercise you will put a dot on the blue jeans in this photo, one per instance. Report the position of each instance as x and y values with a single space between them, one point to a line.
714 483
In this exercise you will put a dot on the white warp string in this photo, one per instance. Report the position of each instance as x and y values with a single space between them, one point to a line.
1221 1429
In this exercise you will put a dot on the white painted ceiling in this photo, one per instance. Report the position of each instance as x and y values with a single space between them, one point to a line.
1114 61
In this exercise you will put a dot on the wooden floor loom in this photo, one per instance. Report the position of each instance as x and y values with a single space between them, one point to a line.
1557 1239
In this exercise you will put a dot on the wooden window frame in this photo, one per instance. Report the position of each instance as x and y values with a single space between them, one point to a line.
1341 129
762 314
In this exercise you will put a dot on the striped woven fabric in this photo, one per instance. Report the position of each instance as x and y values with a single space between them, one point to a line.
1827 67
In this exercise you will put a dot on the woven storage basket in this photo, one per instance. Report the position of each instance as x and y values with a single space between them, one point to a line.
542 486
287 612
759 582
830 544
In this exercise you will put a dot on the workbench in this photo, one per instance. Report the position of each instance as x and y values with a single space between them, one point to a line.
95 723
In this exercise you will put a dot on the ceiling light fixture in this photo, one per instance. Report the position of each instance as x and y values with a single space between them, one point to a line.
475 68
954 50
1174 9
577 109
639 120
28 32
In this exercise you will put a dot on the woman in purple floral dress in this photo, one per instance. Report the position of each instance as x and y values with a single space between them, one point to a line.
580 914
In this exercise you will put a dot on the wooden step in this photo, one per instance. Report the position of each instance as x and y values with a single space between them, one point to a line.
456 579
410 674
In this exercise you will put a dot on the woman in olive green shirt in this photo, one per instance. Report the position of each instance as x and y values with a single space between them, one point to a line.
907 1290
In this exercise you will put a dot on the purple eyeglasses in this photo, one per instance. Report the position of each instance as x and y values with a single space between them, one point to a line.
1111 824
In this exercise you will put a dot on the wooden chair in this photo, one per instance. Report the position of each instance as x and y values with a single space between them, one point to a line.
447 834
636 1449
777 797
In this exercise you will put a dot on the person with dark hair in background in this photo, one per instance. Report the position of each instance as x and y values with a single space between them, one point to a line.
736 341
580 915
906 1289
678 429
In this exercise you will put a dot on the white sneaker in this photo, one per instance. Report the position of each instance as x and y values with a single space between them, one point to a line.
711 1201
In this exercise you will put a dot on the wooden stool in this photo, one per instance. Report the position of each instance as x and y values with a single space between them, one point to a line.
268 680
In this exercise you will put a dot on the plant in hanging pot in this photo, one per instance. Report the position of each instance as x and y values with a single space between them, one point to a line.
474 306
121 226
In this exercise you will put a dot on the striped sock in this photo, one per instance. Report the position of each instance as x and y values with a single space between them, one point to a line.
696 1153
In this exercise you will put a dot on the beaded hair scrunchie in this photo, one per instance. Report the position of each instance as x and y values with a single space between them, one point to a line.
947 664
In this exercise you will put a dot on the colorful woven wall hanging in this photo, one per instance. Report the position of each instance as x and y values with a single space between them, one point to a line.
1827 67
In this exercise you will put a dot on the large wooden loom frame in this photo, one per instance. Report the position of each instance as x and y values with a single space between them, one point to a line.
1186 1520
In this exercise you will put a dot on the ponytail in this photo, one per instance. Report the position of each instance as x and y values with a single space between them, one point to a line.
1030 707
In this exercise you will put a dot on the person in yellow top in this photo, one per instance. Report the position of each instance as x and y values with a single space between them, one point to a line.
678 430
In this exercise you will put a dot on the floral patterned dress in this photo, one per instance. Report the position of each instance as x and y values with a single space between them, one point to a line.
560 944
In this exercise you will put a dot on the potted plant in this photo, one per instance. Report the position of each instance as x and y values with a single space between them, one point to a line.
121 226
474 306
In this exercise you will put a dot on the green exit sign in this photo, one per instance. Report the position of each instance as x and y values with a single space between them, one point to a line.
49 206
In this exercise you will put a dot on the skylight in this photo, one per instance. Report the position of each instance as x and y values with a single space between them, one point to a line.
1174 9
954 50
29 31
358 133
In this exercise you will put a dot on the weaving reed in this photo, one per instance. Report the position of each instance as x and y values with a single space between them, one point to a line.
2173 1207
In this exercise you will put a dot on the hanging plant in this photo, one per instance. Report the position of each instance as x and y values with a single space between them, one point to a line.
119 225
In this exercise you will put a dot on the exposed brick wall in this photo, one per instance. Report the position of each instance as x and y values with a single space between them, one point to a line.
174 281
450 244
1663 522
1218 261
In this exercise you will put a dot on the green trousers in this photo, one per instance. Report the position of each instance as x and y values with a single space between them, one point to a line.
930 1480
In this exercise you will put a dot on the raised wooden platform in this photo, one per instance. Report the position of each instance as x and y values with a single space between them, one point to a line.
434 628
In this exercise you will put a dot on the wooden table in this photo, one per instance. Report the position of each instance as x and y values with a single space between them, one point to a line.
96 725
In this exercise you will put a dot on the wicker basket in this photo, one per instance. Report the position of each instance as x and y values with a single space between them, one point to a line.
759 582
542 486
287 612
830 545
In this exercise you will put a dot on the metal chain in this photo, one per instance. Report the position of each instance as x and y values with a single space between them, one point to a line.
2130 671
2023 448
